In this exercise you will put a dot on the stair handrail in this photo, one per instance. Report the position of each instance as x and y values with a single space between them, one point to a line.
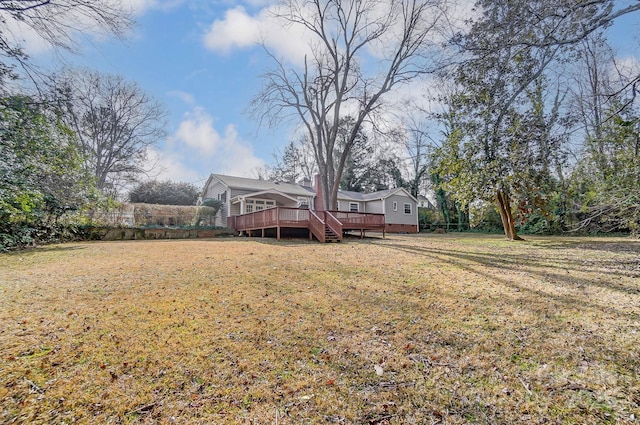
316 225
333 223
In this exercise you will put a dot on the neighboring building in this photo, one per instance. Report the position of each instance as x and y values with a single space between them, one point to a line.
243 195
424 202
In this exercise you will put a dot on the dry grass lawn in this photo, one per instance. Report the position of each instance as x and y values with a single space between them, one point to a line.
424 329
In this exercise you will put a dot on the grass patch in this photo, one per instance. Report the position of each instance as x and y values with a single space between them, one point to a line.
448 329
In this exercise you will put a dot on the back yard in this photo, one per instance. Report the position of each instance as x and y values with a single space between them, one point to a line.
449 329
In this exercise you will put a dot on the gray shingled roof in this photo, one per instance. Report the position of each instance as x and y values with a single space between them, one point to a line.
260 185
358 196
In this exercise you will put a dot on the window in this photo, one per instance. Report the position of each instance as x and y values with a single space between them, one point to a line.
252 205
395 206
353 207
407 208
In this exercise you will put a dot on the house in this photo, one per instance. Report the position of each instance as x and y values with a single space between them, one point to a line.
294 206
424 202
241 195
398 206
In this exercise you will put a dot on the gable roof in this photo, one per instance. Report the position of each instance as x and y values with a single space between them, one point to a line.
274 194
263 185
292 189
381 194
424 199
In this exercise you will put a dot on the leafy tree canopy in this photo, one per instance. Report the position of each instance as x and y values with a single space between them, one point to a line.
165 193
41 175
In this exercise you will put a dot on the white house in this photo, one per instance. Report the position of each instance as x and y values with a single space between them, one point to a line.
241 196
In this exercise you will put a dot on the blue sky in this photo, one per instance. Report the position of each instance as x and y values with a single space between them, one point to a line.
201 60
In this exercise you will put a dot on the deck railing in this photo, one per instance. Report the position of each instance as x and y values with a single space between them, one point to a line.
272 217
333 223
337 221
355 220
316 226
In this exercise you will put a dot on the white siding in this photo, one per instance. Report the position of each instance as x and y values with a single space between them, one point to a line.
214 190
375 207
345 205
399 217
217 190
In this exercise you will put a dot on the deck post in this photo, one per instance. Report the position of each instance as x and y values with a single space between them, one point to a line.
278 232
263 232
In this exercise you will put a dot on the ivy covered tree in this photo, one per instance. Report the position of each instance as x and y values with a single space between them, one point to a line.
208 211
41 174
358 163
164 193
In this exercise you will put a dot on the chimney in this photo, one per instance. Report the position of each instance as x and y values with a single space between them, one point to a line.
319 199
305 182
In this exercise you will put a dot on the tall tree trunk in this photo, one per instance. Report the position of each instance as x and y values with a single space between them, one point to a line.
508 223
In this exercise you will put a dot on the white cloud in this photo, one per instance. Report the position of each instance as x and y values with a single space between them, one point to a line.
209 149
197 132
240 30
236 30
24 36
170 166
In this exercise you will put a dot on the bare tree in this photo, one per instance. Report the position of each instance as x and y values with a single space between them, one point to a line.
294 163
335 79
115 122
597 83
57 22
417 145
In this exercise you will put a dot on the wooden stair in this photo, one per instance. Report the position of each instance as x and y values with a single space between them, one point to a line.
330 235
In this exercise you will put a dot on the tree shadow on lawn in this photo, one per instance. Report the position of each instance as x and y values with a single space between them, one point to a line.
528 261
612 246
535 266
38 250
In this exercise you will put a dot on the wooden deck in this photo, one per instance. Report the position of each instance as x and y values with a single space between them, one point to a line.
326 226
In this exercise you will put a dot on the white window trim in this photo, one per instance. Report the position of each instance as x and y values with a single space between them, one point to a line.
395 205
410 208
351 204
